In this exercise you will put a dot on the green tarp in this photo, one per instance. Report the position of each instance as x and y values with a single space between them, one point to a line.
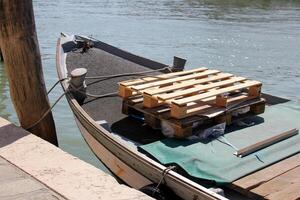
215 161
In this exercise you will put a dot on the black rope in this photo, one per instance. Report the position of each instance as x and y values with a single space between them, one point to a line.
127 74
92 95
56 84
47 112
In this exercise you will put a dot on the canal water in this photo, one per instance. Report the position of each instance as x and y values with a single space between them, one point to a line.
259 39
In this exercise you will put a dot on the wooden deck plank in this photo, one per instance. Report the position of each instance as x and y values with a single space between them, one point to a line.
285 180
255 179
187 84
172 80
292 192
199 97
161 76
199 88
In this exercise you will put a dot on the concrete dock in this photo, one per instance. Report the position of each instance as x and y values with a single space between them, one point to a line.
31 168
16 184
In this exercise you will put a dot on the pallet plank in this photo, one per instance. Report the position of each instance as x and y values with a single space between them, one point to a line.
196 108
198 97
172 80
199 88
188 83
210 111
161 76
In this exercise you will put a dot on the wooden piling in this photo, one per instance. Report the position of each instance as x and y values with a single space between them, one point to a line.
19 45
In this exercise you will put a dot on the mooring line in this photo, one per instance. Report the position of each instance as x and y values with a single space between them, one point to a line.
47 112
128 74
63 94
88 94
55 84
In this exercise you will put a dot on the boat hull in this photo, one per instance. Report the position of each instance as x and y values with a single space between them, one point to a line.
131 166
120 169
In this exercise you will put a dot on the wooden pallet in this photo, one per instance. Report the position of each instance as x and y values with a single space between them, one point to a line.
190 94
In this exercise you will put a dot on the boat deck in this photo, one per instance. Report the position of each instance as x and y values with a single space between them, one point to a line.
278 181
111 112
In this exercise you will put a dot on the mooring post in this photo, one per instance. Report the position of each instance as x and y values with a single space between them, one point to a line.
20 49
77 84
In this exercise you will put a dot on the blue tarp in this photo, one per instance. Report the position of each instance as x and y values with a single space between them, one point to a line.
214 160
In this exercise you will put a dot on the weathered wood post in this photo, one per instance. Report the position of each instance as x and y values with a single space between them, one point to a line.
20 49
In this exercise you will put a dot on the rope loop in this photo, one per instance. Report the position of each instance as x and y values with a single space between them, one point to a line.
164 173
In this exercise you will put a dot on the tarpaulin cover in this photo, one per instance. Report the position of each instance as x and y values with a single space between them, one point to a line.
215 160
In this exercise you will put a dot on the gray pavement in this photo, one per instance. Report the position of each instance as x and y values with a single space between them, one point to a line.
15 184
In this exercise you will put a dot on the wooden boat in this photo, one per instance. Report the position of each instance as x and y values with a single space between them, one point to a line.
118 151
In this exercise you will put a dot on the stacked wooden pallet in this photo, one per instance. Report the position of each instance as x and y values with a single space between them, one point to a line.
198 92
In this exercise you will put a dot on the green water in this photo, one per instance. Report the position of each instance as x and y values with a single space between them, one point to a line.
259 39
